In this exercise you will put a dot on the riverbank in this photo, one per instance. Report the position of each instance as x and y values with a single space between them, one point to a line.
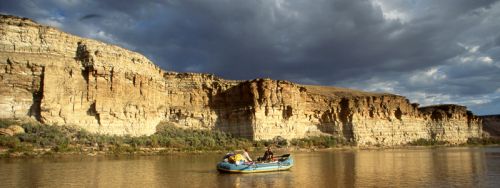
37 140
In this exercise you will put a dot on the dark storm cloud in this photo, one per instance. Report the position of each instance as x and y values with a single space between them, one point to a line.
90 16
431 51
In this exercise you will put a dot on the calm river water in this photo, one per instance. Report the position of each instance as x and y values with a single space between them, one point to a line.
413 167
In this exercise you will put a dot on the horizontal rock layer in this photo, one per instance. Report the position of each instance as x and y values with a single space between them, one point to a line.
59 78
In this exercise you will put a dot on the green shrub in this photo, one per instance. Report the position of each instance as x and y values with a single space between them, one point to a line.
261 143
22 147
63 148
280 141
427 142
65 138
483 141
4 123
319 141
119 149
9 141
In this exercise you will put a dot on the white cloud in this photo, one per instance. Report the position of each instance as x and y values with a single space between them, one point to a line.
466 59
478 101
469 48
54 22
281 9
375 85
485 59
395 15
472 49
392 12
96 33
425 98
384 86
427 77
473 55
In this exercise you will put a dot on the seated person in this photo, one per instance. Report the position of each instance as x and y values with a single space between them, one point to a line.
246 156
228 156
268 155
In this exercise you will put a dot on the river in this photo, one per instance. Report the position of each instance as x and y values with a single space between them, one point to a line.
411 167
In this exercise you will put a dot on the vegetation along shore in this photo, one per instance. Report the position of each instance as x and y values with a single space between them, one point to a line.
37 139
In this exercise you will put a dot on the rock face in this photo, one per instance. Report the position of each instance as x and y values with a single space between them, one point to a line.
491 125
58 78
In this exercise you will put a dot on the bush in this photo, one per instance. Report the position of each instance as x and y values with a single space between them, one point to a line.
45 135
63 148
483 141
262 143
4 123
427 142
9 141
65 138
280 141
194 139
119 149
22 147
319 141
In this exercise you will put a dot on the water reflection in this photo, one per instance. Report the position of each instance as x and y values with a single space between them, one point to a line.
326 169
394 168
411 168
272 179
461 167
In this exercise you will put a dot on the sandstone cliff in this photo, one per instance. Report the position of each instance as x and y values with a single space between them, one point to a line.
491 124
59 78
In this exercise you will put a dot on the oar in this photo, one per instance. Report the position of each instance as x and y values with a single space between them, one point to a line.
285 155
282 156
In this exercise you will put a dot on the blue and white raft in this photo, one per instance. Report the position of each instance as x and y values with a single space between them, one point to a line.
284 162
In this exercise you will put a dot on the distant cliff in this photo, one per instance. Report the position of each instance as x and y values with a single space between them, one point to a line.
58 78
491 125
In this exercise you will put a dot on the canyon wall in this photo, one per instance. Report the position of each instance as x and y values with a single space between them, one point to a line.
491 125
61 79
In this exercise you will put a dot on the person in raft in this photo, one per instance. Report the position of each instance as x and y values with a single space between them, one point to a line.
246 157
228 156
268 155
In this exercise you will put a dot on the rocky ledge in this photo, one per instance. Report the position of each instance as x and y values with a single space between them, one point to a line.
58 78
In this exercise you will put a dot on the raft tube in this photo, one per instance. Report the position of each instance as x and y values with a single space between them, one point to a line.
280 165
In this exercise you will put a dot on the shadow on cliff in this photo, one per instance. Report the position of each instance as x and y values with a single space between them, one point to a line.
346 119
491 125
35 108
338 123
234 110
445 113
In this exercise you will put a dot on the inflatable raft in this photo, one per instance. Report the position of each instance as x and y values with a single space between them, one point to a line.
284 162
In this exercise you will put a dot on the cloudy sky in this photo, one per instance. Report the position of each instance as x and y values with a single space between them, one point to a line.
433 52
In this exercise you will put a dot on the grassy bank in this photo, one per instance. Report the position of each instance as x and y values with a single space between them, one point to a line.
428 142
41 139
483 141
470 142
71 139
